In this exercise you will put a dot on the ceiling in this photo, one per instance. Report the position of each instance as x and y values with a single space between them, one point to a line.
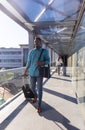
56 22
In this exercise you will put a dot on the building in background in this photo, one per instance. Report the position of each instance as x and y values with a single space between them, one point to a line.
25 48
13 57
17 57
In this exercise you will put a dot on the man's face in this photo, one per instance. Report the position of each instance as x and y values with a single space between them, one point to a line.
37 43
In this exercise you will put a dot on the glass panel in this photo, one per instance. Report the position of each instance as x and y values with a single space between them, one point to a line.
45 32
30 7
79 71
58 10
67 7
51 15
51 30
11 83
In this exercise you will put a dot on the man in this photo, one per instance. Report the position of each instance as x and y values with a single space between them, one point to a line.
32 66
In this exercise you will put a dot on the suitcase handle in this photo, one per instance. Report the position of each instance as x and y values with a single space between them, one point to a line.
25 79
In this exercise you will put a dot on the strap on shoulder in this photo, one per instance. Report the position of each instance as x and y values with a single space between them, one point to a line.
41 53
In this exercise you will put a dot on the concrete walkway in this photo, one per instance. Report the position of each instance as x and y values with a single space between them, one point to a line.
60 110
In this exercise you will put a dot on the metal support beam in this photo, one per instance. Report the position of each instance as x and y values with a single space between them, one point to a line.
82 9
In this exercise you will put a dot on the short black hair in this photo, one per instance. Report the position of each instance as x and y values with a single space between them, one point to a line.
38 38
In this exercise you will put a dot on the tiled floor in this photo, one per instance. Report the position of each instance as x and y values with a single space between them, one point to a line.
60 110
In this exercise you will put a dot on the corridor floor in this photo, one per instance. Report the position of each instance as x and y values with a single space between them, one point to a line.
60 110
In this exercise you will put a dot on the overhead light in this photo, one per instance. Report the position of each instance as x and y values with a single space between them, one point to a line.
82 27
2 1
65 38
61 30
50 2
42 12
37 18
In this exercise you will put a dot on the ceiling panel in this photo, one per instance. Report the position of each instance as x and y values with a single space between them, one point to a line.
55 21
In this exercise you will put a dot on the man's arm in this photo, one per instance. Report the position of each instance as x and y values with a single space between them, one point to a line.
25 72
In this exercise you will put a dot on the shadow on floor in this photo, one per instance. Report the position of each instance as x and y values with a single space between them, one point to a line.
50 113
69 80
66 97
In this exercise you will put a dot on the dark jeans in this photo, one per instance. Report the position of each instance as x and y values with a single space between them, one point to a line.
36 86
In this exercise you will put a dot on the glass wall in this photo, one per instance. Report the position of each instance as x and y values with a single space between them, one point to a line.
77 60
11 83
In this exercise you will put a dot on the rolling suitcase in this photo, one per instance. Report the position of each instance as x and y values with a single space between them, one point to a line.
27 91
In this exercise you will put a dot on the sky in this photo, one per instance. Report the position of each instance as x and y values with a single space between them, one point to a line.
11 34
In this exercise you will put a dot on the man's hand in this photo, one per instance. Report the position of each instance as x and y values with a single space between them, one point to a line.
25 72
40 63
24 75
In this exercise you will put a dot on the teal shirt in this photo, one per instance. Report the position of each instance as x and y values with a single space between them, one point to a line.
32 60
